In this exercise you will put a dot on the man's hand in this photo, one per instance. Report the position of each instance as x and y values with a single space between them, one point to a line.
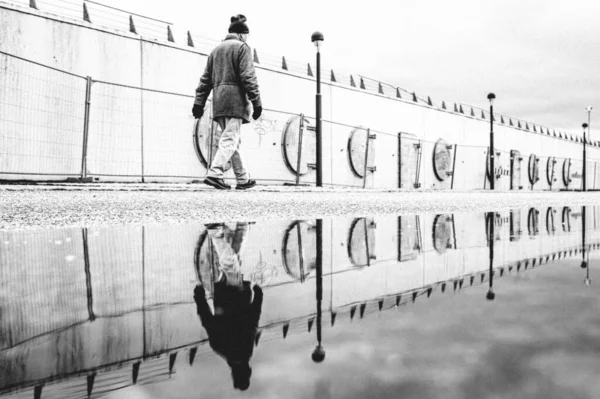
257 112
197 111
199 293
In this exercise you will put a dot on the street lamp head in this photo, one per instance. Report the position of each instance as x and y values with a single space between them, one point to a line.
317 38
589 108
318 354
491 97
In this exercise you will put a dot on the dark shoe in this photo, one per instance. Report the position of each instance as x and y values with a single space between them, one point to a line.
213 226
217 183
245 186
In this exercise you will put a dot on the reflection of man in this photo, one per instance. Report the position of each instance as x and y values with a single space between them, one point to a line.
232 328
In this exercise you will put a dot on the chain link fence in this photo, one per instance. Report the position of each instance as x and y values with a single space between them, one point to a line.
56 123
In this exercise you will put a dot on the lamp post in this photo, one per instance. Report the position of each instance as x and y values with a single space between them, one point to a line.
491 97
589 111
317 39
585 126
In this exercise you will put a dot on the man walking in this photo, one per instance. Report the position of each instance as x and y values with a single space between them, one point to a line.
230 75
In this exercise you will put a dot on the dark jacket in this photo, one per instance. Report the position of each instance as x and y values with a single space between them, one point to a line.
232 329
229 73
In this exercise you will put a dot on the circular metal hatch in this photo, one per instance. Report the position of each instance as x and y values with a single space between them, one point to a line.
296 129
442 160
204 136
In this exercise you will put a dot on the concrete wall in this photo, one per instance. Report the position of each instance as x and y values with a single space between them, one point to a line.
111 295
147 134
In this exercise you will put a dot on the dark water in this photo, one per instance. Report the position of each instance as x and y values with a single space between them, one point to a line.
478 305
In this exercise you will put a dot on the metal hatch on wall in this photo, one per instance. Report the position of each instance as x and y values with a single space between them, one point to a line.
361 152
497 220
205 131
299 145
443 233
409 150
550 171
299 251
566 219
498 170
205 259
515 170
566 172
533 222
515 225
409 237
361 241
550 226
443 161
533 169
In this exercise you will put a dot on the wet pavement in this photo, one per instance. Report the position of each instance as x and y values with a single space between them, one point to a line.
84 205
416 305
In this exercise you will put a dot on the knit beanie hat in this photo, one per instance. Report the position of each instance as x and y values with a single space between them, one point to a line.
238 24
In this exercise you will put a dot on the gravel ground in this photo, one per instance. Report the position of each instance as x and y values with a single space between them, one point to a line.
66 205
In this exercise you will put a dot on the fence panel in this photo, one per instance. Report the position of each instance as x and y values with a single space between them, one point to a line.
115 131
41 119
168 136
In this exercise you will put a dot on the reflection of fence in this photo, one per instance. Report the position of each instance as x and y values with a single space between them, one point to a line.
137 282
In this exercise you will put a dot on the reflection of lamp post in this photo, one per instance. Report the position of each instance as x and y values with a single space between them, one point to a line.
317 39
585 126
492 221
491 97
318 354
584 259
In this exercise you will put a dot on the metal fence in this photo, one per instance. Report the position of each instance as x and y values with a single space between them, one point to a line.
56 123
41 119
115 18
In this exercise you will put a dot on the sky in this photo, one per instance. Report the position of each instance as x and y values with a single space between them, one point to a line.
540 57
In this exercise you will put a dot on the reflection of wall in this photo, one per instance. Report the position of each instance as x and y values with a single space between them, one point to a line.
134 298
117 114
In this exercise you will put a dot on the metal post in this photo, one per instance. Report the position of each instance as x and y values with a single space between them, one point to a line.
300 134
453 167
492 151
319 131
491 98
88 275
366 226
141 102
399 160
585 125
366 168
86 126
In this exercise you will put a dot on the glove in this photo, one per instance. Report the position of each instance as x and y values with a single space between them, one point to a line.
257 112
197 111
199 293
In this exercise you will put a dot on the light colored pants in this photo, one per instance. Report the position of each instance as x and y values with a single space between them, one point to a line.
228 245
229 143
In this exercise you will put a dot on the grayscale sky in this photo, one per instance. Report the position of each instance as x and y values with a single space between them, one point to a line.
540 57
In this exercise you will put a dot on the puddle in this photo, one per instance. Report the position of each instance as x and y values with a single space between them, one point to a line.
431 305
